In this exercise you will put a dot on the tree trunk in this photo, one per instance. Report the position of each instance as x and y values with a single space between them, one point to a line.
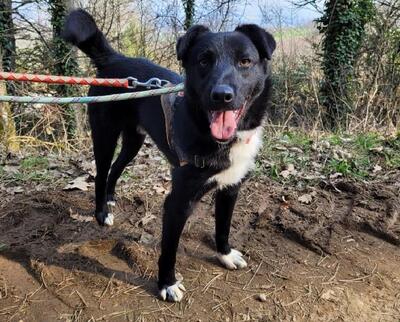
7 35
64 62
188 6
7 41
79 110
343 30
7 125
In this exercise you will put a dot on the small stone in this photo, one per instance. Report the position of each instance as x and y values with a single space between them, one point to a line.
262 297
325 144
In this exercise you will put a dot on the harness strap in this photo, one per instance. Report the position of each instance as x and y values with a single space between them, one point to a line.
168 103
168 106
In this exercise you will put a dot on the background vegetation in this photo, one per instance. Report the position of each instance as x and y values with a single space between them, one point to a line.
338 74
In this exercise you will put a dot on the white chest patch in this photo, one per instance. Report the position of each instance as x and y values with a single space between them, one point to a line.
242 156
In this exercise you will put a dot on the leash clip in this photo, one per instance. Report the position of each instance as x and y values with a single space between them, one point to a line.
151 83
132 82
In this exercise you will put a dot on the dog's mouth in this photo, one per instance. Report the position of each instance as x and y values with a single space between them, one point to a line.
223 124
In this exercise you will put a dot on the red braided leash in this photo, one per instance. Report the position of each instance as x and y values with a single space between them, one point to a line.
49 79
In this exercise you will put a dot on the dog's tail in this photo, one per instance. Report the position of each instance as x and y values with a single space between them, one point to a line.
81 30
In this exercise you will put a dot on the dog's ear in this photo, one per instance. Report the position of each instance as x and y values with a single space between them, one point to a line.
188 39
264 41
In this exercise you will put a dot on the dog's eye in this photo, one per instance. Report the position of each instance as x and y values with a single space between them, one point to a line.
203 62
245 63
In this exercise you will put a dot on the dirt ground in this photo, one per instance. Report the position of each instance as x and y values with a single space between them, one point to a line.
335 259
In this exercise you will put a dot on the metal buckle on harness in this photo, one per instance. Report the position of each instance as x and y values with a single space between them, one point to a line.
197 163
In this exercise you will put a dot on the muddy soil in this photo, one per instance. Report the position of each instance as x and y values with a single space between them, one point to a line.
334 259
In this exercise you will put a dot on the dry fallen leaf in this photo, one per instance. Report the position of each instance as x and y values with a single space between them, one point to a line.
296 150
145 220
329 295
146 238
335 175
280 148
377 149
262 207
14 190
89 167
285 174
79 217
341 154
306 198
289 171
159 189
376 168
325 144
79 183
11 169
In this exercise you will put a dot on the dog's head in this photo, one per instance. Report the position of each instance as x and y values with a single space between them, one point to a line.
225 73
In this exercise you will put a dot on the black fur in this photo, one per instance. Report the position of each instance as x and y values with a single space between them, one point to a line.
183 44
211 62
263 41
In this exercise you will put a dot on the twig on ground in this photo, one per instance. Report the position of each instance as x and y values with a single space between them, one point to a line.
107 286
207 286
82 299
361 278
254 275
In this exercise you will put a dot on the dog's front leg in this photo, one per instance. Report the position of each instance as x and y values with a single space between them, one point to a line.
177 208
224 204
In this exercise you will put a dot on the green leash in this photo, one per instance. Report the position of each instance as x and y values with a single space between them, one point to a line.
92 99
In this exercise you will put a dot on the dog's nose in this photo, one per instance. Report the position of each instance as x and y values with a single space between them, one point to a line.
222 94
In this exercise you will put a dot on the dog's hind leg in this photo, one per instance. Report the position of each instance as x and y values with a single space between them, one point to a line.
224 204
104 143
132 141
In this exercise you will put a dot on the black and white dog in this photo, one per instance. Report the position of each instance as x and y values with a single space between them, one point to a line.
216 126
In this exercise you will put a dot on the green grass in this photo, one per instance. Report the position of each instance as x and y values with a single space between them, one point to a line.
128 174
353 156
339 166
391 152
335 139
31 169
297 139
34 163
367 141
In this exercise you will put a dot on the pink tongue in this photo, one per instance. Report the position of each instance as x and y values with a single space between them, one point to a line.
223 125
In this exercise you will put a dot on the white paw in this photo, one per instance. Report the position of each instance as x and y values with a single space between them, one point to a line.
173 293
233 260
111 203
109 221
